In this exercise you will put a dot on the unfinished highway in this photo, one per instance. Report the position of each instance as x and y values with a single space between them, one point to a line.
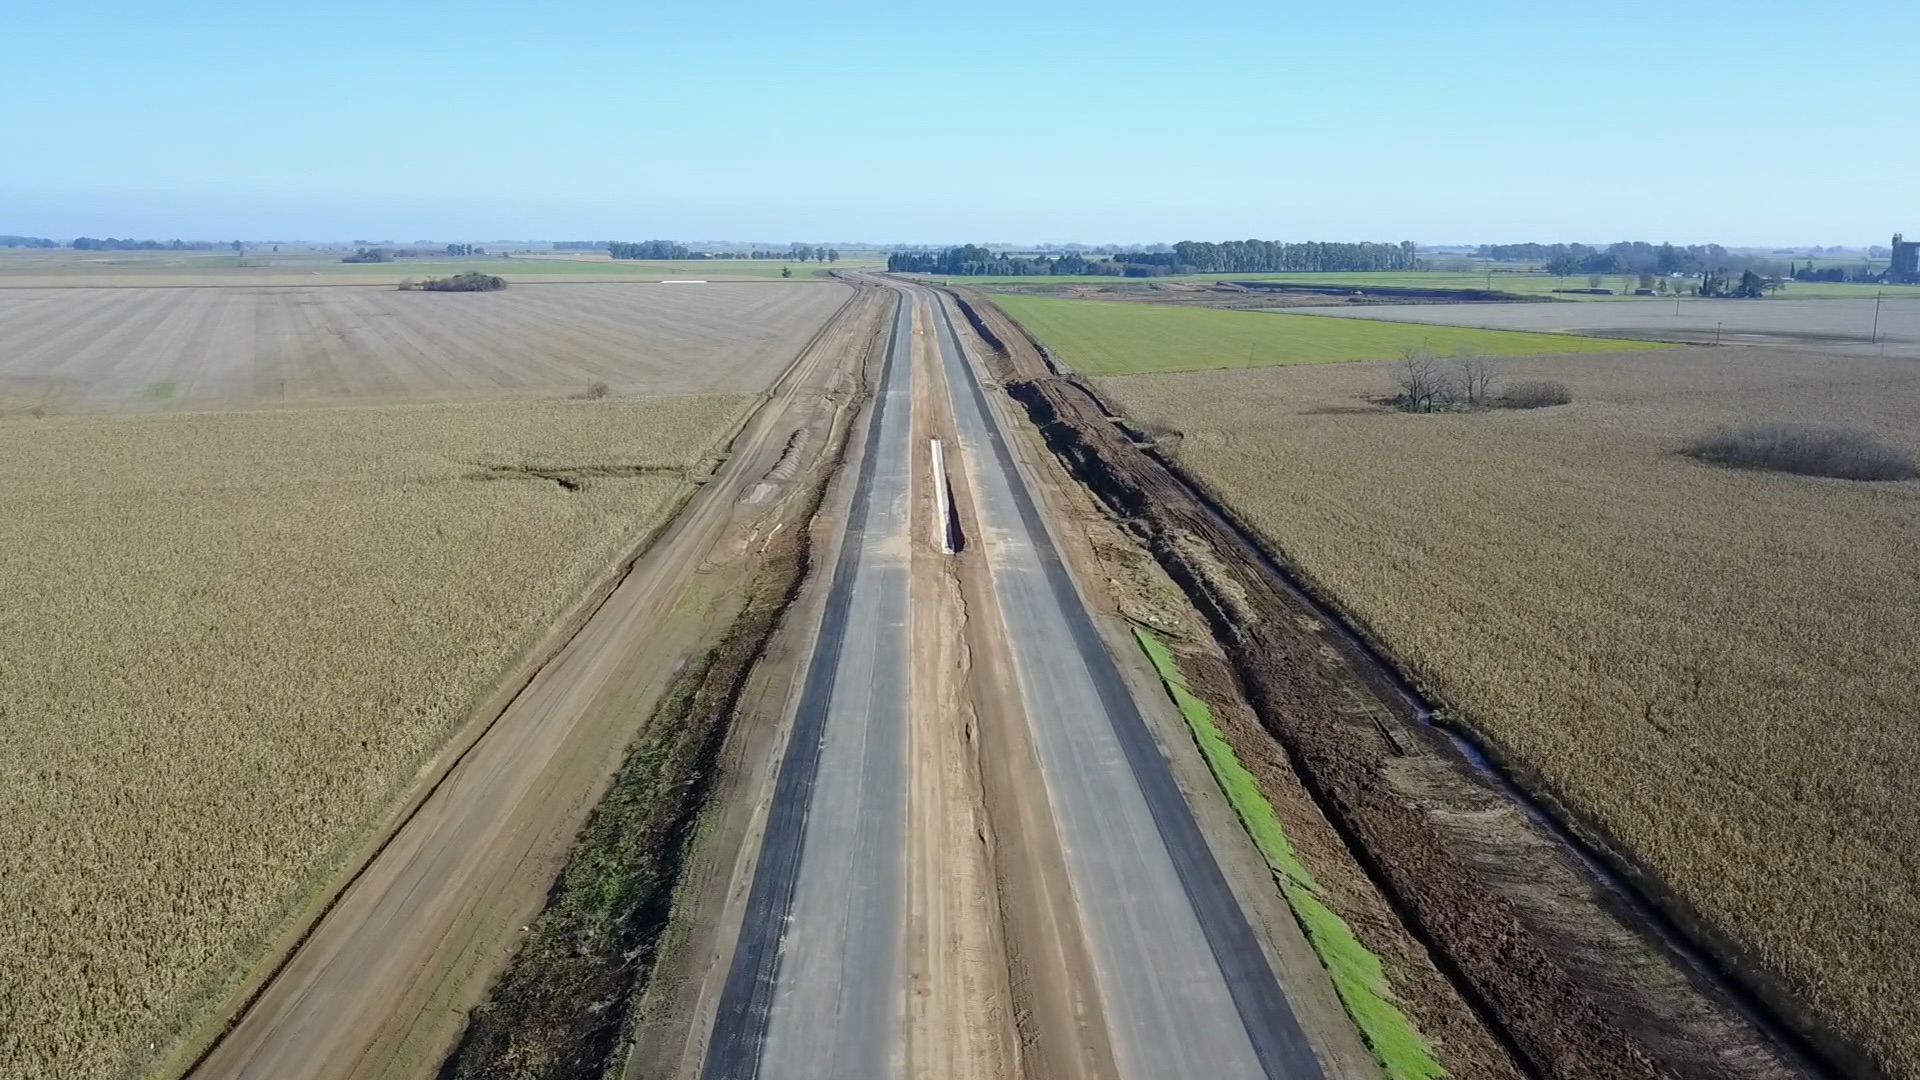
823 980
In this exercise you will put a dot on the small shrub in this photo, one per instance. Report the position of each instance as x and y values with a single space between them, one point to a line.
407 284
1535 394
596 390
1806 450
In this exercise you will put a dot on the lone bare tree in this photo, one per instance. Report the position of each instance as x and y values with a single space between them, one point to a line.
1419 380
1473 381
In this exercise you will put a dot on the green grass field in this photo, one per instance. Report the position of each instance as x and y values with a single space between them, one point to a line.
1357 975
1119 338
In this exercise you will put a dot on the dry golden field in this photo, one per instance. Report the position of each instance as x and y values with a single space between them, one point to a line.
234 639
1720 668
177 348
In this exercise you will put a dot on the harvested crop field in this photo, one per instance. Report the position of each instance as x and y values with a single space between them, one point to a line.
1860 325
1112 338
102 349
249 634
1718 669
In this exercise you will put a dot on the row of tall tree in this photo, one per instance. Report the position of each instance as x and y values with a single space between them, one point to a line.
1627 257
667 249
28 242
1186 257
803 253
647 249
1860 271
88 243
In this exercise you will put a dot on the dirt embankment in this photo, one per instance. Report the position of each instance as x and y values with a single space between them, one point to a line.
565 1004
1551 1023
562 1005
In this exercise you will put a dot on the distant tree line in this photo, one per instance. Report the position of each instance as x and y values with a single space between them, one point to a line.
803 253
88 243
28 242
464 249
1627 257
667 249
1186 257
1862 271
647 249
369 255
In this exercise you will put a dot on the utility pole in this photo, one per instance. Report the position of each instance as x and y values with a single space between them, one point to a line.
1876 318
1716 332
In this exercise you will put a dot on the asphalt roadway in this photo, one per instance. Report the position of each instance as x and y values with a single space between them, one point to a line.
817 987
1183 983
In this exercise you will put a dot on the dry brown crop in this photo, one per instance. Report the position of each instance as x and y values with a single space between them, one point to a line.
1719 668
233 640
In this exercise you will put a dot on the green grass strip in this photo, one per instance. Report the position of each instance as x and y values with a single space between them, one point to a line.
1357 975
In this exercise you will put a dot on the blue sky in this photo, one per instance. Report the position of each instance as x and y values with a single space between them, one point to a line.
1744 123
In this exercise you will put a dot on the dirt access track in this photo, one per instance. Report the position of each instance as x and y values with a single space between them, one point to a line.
378 982
1558 960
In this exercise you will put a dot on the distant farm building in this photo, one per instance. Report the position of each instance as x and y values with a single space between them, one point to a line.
1906 261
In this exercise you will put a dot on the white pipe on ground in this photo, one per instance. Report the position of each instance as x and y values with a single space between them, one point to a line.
942 505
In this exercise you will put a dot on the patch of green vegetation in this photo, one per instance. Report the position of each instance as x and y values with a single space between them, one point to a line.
1357 975
563 1001
158 391
1121 338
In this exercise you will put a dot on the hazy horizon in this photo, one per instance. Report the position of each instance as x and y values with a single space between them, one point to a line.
1507 123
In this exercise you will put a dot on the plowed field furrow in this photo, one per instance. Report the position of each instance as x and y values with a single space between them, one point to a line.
213 348
426 357
271 345
123 374
118 320
54 314
211 367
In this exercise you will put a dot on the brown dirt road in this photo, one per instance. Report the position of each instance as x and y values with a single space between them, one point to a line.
379 982
960 1019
